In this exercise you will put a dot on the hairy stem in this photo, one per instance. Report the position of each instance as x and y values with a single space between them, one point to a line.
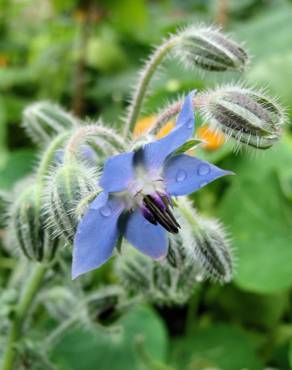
86 132
49 155
79 76
173 110
143 82
20 314
191 313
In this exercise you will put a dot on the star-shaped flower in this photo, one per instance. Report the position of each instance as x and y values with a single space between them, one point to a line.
136 199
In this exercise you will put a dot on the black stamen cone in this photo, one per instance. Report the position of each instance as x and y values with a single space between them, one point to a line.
162 215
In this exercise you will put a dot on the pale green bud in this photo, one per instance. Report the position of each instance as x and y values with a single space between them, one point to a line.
167 282
68 185
207 244
245 115
209 49
27 225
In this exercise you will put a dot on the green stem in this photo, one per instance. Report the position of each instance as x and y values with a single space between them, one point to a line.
144 80
191 313
20 315
61 329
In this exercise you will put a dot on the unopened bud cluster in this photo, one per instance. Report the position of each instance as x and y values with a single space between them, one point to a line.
208 49
167 282
67 186
44 120
246 115
4 202
28 223
208 245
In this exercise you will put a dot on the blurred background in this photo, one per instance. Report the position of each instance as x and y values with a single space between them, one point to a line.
85 55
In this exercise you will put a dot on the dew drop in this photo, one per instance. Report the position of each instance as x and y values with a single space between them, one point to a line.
190 124
105 211
181 175
203 169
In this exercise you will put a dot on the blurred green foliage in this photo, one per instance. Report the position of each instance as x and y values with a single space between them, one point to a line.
85 56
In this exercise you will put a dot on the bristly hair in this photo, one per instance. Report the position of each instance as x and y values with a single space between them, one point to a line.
208 244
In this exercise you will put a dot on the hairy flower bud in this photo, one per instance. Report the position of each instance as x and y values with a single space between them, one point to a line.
67 186
43 120
168 282
246 115
4 202
27 226
207 48
207 244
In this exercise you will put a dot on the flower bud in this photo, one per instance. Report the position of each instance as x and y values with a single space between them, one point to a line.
246 115
208 49
4 202
27 226
67 186
43 120
167 282
207 244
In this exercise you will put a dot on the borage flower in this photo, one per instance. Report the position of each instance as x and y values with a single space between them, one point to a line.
136 199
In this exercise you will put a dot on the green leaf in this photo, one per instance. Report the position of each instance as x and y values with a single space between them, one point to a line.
290 353
267 309
219 346
84 349
188 145
260 221
285 178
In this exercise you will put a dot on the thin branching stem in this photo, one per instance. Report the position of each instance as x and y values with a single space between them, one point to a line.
144 80
20 314
86 132
173 110
49 155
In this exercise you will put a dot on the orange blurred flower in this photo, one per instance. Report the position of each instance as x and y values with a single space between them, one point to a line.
3 61
213 140
143 125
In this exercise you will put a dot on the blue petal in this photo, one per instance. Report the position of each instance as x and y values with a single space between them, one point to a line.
117 173
99 201
155 153
184 174
149 239
96 236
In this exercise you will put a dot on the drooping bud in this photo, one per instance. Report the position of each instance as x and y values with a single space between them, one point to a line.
207 244
67 186
27 226
246 115
208 49
4 202
44 120
168 282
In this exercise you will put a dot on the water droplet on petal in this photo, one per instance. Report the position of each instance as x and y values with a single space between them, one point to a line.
105 211
190 124
203 169
181 175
